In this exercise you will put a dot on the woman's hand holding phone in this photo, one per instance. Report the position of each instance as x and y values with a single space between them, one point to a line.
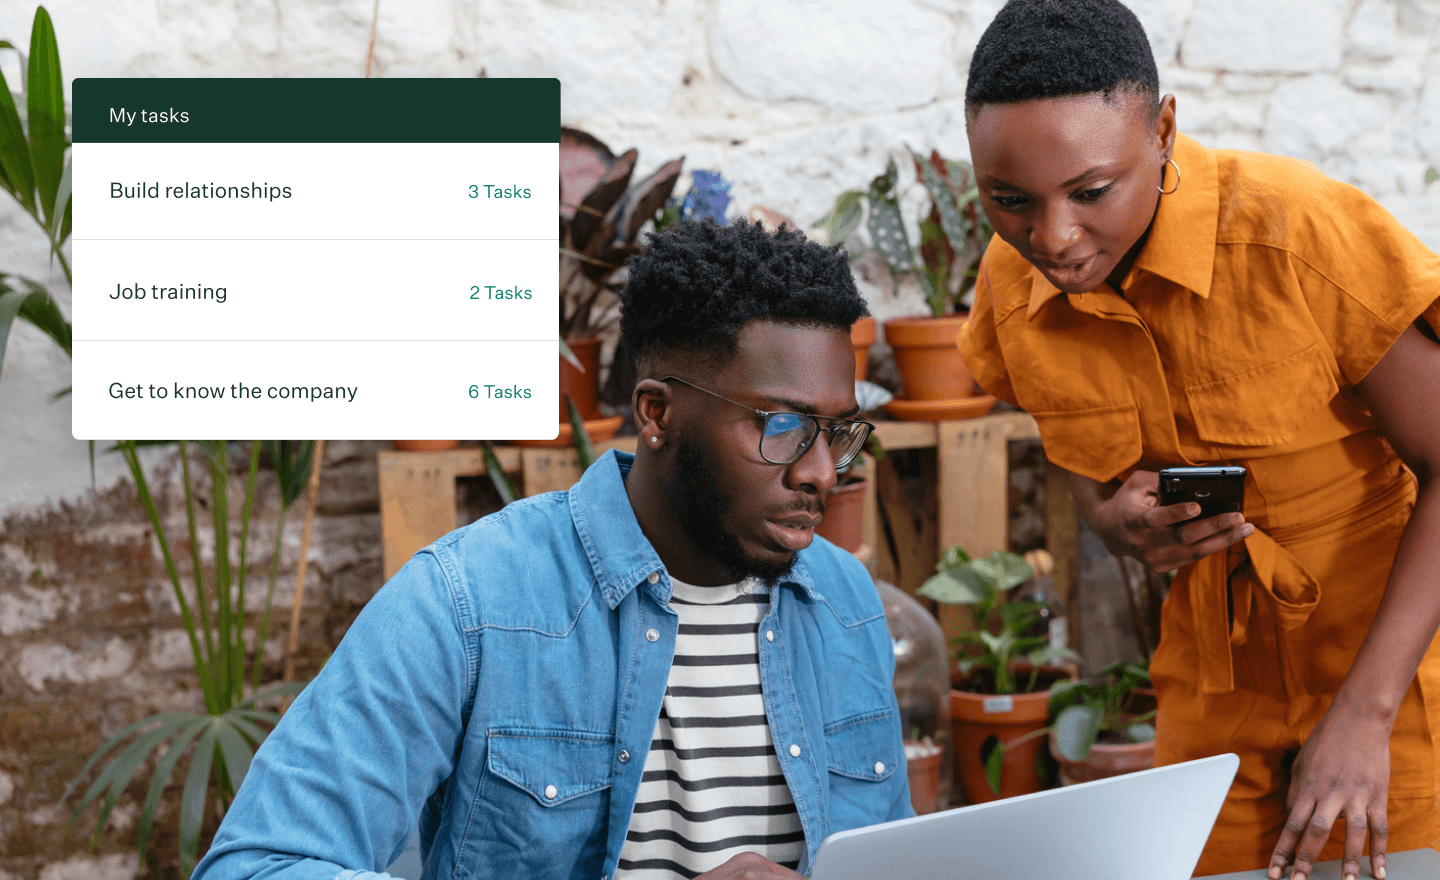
1132 522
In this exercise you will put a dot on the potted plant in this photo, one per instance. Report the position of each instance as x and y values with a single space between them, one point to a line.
227 643
601 217
1001 694
1101 729
953 235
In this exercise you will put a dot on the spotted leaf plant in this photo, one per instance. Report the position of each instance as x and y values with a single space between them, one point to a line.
953 231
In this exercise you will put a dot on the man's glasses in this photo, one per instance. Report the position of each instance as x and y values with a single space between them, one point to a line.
786 436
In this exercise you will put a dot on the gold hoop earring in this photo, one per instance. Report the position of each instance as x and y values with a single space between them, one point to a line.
1163 191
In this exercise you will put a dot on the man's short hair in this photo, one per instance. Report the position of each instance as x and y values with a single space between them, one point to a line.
698 283
1057 48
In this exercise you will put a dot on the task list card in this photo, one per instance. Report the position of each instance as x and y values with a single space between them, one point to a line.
317 258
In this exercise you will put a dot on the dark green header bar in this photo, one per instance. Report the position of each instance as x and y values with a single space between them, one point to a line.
316 111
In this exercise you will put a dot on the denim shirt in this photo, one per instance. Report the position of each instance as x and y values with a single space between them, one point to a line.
502 689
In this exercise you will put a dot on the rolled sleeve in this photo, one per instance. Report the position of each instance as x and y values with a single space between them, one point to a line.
979 343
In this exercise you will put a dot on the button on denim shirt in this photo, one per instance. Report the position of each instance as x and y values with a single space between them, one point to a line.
502 689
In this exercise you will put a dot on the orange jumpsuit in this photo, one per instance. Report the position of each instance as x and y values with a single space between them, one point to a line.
1263 294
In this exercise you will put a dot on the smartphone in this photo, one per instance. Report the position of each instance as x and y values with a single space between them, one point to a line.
1216 489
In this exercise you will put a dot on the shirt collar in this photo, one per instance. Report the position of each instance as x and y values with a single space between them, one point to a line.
618 551
1181 244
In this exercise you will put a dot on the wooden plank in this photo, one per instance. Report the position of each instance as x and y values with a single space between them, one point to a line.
973 487
417 503
907 554
906 435
417 489
556 468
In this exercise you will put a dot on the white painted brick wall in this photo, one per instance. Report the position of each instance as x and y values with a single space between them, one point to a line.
794 100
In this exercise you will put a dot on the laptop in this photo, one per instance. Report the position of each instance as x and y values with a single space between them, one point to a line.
1151 824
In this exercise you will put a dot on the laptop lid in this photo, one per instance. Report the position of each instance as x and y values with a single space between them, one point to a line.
1150 824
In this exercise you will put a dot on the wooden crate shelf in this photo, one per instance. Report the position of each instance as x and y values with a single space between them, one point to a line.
417 489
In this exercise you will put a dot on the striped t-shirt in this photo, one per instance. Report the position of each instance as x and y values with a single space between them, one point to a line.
712 786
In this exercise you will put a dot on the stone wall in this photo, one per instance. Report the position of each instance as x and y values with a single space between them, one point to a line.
794 101
93 639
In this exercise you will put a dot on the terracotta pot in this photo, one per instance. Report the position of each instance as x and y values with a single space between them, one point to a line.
976 719
927 357
584 388
1104 760
424 445
844 521
924 773
862 336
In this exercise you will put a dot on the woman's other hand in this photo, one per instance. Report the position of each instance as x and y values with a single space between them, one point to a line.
1130 521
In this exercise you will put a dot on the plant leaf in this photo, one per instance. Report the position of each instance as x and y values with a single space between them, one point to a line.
1140 732
1001 644
993 763
45 106
18 171
596 204
110 743
194 796
643 200
1431 175
569 355
161 776
952 223
56 224
292 461
583 161
844 218
887 231
234 749
580 438
1048 653
288 688
249 729
957 586
497 475
21 297
1075 731
41 310
123 769
1003 569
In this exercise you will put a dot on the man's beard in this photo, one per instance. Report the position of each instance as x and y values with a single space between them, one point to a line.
695 494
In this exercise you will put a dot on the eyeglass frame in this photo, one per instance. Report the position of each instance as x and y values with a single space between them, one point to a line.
766 415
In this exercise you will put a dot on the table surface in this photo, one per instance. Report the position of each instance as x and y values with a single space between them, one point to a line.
1417 864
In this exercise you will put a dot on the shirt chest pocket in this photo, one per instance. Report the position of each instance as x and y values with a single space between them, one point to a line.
544 800
1264 406
863 751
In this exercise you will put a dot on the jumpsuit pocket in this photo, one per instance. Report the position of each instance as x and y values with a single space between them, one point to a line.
1266 405
1096 443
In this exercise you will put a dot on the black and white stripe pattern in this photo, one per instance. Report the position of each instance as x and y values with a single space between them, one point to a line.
712 786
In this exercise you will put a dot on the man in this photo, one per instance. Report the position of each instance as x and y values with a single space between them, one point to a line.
654 674
1156 303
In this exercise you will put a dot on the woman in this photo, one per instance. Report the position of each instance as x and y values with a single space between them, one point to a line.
1154 303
